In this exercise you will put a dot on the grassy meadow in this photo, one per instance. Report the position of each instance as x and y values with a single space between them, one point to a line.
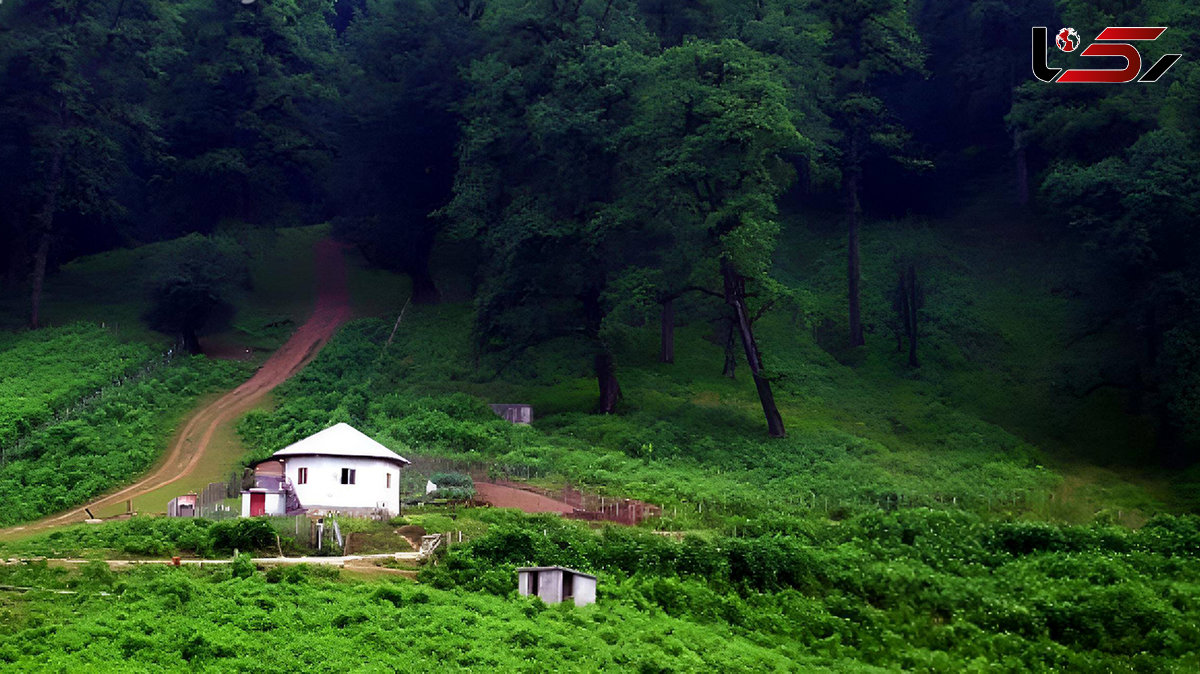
970 514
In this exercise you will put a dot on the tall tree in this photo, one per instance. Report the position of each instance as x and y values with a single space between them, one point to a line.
705 158
871 40
74 77
247 115
399 129
537 174
1117 168
193 287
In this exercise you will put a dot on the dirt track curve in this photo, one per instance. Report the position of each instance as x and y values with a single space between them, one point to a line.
502 496
188 449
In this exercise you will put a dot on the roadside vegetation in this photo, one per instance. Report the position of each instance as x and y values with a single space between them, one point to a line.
918 589
106 441
46 373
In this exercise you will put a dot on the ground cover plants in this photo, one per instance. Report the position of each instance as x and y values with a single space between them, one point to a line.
106 443
236 619
919 589
44 373
674 447
145 537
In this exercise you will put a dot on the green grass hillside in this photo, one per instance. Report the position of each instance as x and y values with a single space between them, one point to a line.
998 417
987 422
890 528
91 404
915 590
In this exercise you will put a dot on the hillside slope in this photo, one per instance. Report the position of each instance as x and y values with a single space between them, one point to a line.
983 423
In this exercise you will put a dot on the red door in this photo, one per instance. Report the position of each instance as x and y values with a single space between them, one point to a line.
258 504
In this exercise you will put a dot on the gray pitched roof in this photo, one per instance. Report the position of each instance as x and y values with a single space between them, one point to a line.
555 568
341 440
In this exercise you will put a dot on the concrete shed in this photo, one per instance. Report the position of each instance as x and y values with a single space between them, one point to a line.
182 506
518 413
555 584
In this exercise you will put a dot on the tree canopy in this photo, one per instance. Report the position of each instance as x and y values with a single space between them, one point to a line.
599 160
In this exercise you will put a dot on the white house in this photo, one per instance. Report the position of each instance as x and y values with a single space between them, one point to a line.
339 470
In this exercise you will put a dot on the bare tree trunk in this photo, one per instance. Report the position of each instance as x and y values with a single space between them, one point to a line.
1022 177
424 290
735 296
191 341
1022 164
730 350
605 366
40 256
610 388
914 303
908 303
18 259
45 221
853 263
667 318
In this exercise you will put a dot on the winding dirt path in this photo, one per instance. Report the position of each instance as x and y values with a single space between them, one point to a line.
190 444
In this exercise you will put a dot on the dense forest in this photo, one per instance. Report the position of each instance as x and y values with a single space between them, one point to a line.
600 161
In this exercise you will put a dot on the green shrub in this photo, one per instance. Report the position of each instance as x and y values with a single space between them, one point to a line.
242 566
243 534
454 486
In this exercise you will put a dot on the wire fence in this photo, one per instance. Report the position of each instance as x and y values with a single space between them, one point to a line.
20 447
219 500
592 503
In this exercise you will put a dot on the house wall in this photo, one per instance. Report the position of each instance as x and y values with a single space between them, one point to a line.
325 490
273 503
585 590
182 506
517 414
550 587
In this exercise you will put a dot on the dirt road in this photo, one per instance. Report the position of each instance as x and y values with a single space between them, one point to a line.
188 448
503 496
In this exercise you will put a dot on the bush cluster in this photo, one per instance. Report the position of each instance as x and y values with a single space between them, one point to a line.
67 462
144 536
900 587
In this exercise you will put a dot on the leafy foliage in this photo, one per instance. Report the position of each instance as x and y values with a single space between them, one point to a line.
46 371
889 587
192 291
155 537
119 436
455 486
917 590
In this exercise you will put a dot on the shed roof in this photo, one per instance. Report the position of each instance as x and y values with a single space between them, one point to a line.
555 568
341 440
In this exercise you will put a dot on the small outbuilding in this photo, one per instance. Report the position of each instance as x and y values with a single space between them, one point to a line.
518 413
182 506
555 584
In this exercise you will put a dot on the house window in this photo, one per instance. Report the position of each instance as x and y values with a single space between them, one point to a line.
389 480
347 476
302 476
